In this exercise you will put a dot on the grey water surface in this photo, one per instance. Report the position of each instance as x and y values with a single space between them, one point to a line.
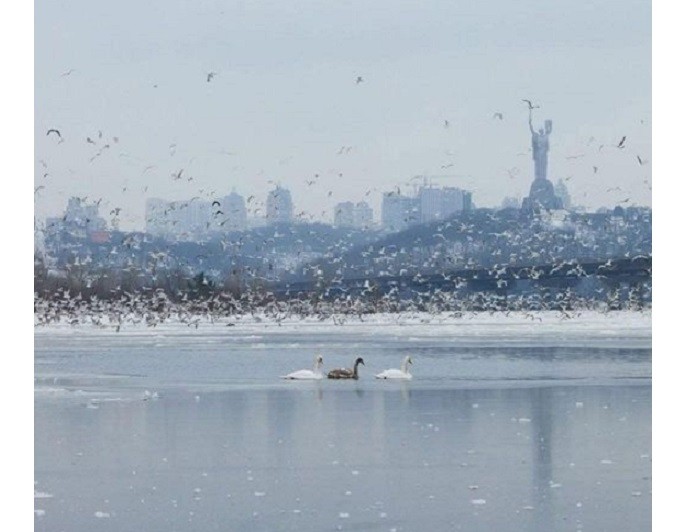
160 432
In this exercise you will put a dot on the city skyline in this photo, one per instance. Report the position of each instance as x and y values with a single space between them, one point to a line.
424 105
195 216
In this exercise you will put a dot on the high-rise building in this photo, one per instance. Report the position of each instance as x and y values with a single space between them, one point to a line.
186 219
195 217
156 216
430 203
344 214
233 208
399 212
363 215
279 206
440 203
79 213
80 220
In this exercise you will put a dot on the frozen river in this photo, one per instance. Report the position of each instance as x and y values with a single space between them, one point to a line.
509 423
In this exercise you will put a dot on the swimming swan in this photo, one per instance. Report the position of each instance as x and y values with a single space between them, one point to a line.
307 374
344 373
402 373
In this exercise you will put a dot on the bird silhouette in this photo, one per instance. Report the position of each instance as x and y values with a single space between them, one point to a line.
211 75
53 131
621 142
359 80
531 106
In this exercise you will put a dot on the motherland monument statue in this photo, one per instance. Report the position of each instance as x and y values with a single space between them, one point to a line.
542 192
540 145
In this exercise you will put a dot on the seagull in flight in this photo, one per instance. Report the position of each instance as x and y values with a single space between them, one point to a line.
621 142
53 131
498 115
211 75
531 106
68 72
359 80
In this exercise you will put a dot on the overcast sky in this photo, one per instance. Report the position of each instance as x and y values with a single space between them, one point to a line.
284 99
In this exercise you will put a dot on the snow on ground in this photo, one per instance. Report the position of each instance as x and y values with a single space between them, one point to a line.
535 324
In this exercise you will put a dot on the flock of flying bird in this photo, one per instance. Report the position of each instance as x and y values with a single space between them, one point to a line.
343 150
152 308
102 144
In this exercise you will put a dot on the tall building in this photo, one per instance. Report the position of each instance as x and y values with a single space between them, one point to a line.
348 214
187 219
440 203
279 206
195 217
80 214
156 216
344 214
80 220
233 209
399 212
363 215
431 203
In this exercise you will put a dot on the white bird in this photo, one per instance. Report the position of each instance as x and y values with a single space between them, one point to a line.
402 373
308 374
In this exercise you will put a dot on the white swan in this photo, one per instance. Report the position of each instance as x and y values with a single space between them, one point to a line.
307 374
402 373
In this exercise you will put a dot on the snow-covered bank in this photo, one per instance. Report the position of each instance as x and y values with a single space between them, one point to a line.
623 324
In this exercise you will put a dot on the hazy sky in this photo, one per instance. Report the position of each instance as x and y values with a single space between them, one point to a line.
284 98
